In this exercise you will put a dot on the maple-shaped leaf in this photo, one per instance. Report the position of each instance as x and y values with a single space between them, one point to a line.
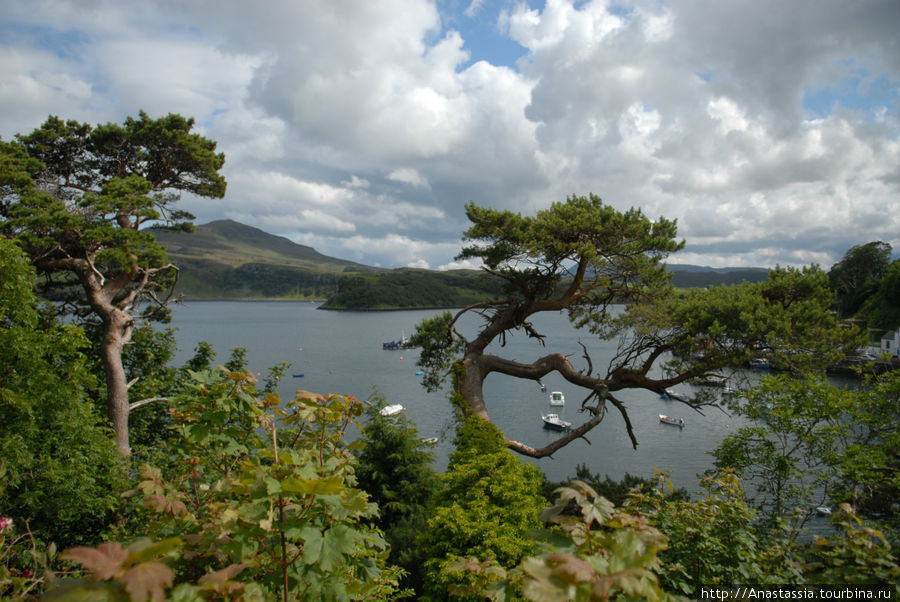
570 569
155 502
148 580
163 505
308 395
218 578
104 562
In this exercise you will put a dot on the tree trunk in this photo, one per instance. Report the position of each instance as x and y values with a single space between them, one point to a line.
471 385
115 324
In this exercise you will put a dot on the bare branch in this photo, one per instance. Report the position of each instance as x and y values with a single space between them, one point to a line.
134 405
475 306
621 407
587 357
94 269
565 439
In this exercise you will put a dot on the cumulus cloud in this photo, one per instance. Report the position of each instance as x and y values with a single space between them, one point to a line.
768 129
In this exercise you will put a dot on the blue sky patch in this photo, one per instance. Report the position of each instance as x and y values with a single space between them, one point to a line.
860 92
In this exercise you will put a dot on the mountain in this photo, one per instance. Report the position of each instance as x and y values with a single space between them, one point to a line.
225 259
232 243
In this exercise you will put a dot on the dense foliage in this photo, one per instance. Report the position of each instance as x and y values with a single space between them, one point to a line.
263 504
615 491
867 285
882 308
408 288
713 539
395 469
813 444
61 476
857 275
488 504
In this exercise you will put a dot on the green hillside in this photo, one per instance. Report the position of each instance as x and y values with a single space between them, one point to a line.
225 259
234 244
408 288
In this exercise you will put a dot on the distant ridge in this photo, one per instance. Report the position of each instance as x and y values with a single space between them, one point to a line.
694 276
225 259
686 267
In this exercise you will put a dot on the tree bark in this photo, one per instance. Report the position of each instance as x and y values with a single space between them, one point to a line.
116 382
117 327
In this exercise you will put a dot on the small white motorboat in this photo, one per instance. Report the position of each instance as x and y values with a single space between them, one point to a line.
679 422
557 398
553 421
391 410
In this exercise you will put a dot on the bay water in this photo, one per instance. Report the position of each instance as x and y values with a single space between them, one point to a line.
341 352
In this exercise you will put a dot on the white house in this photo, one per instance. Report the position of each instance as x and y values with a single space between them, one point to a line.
890 343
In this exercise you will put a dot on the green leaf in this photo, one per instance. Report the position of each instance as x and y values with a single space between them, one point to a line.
312 545
145 550
329 486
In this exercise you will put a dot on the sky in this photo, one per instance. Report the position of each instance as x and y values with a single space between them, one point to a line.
770 129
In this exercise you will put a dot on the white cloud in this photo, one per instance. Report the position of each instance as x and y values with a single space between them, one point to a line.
356 182
465 264
408 176
473 8
361 129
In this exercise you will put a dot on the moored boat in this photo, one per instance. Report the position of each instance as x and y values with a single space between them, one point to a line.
671 394
403 343
557 398
553 421
711 380
679 422
391 410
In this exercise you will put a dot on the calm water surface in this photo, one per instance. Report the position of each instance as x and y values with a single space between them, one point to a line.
340 352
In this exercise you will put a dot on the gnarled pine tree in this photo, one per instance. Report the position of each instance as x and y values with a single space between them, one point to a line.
79 199
584 257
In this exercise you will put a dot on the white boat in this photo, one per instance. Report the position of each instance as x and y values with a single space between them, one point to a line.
711 380
391 410
672 394
823 510
553 421
557 398
679 422
430 440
